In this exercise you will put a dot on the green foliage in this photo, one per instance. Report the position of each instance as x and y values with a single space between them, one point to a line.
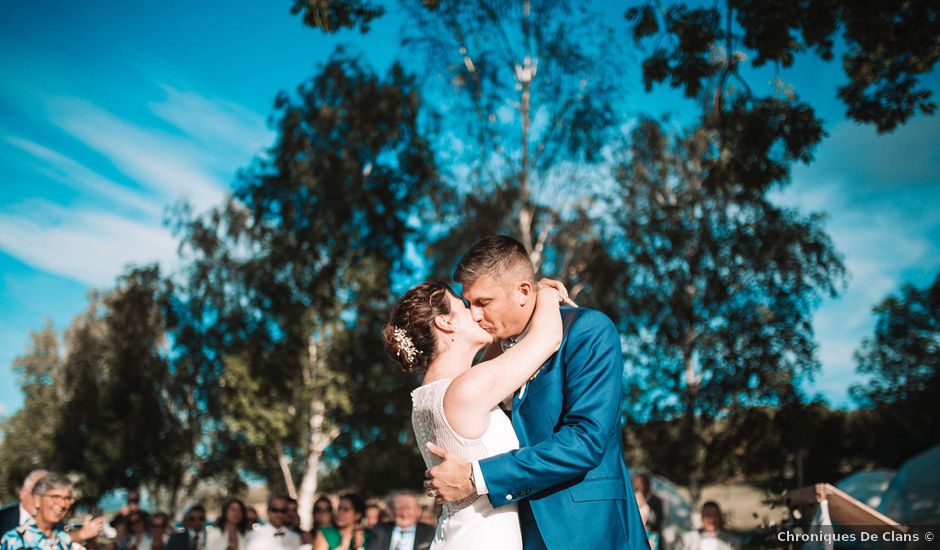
529 108
29 434
333 15
889 47
290 280
902 363
718 293
98 410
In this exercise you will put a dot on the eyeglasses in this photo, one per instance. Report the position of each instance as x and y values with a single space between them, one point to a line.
157 526
342 508
60 499
277 510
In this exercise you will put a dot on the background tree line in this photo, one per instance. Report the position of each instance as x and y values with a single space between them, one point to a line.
260 357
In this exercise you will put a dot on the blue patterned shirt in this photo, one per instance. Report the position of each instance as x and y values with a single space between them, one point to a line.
28 536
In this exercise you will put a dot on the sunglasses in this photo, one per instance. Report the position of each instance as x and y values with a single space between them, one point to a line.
277 510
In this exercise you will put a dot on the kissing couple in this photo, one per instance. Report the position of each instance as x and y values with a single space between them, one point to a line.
553 477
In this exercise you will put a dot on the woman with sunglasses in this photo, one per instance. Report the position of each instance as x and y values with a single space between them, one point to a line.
348 533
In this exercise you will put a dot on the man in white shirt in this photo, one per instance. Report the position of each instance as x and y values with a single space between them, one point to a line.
18 514
711 536
274 535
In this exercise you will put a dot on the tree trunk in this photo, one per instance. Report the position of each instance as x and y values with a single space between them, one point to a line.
321 435
691 433
285 471
320 438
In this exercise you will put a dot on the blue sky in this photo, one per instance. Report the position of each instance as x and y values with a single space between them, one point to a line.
110 113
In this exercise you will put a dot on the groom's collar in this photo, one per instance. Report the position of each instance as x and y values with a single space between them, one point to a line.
510 342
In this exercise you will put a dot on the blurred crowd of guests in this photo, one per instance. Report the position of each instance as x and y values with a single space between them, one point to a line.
399 522
38 520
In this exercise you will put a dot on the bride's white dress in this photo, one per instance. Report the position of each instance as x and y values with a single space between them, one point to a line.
471 523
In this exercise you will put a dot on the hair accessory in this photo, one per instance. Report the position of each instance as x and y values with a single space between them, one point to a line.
405 345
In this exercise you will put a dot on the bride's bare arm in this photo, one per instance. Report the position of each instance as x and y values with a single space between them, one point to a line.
473 394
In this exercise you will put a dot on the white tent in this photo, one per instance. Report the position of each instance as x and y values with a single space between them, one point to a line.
868 487
913 498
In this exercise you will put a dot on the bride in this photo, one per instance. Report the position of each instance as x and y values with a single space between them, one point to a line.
431 329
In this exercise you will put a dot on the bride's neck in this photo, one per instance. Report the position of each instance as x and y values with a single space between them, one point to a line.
450 363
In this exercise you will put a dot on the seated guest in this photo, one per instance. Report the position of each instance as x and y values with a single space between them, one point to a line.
710 536
138 535
651 536
348 533
405 533
292 518
642 484
229 530
19 513
51 499
274 535
252 516
160 529
373 515
193 536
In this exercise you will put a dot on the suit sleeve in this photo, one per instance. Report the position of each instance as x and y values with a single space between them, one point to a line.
592 396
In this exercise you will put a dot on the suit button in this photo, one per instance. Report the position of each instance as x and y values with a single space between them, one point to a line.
508 497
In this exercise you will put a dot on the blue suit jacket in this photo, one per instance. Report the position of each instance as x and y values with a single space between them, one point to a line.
569 474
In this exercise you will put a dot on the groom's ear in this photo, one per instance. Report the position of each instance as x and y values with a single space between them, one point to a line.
525 291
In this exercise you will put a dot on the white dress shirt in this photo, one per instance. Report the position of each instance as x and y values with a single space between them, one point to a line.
24 515
403 539
267 537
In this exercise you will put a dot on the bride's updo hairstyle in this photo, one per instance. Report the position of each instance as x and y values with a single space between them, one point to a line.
409 334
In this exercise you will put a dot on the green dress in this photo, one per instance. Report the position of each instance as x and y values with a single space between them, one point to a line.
334 538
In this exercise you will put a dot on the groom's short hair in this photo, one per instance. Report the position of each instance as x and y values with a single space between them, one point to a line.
495 256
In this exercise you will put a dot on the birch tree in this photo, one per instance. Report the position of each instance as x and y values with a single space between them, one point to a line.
287 280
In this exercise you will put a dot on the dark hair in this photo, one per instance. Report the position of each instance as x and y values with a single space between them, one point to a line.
322 498
271 500
493 255
713 504
161 516
142 516
196 508
221 520
409 334
358 503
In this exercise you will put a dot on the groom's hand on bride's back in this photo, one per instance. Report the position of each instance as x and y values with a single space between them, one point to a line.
452 479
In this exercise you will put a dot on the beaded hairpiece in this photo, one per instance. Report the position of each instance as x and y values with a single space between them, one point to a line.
405 345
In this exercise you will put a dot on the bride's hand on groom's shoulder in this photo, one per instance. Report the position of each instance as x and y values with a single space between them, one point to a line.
557 288
452 479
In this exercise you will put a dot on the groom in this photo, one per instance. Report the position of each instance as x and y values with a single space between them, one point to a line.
568 477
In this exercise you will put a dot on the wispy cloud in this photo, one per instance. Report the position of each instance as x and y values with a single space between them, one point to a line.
219 125
184 147
168 164
58 167
90 246
878 192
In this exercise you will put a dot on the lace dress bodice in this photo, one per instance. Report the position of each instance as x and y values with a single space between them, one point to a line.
430 424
